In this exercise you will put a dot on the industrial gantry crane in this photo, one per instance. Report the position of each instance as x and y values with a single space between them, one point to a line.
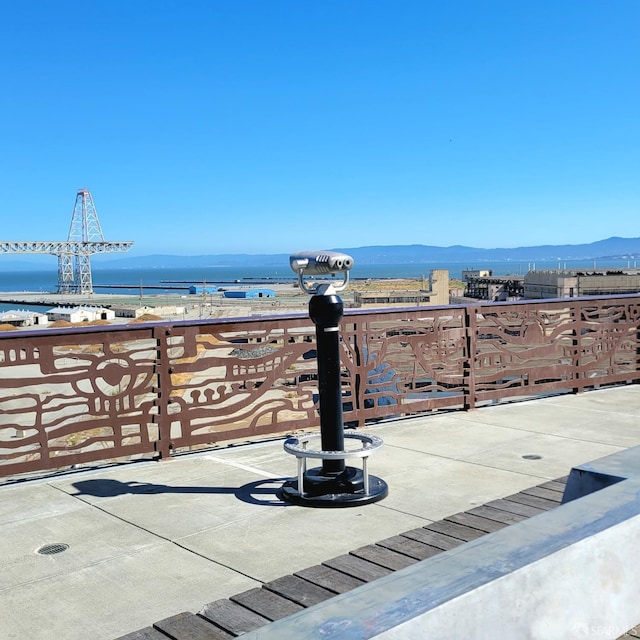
74 255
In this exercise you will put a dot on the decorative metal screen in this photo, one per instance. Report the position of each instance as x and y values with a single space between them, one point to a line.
73 396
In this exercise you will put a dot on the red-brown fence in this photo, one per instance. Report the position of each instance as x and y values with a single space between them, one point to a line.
73 396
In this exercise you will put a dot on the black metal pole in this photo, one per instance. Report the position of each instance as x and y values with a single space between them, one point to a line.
326 311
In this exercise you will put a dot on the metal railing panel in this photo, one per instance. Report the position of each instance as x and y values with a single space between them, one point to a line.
231 380
77 396
87 394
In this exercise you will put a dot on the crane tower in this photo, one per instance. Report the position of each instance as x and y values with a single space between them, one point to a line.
74 256
74 269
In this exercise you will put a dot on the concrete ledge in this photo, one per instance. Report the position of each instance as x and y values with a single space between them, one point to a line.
567 573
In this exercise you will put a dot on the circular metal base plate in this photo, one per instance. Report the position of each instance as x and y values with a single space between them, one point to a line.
344 490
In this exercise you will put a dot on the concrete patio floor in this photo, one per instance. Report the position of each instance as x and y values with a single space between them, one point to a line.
150 539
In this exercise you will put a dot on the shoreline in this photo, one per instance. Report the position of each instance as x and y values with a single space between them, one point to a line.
289 298
189 306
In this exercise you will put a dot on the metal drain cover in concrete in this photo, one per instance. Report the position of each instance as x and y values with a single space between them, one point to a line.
50 549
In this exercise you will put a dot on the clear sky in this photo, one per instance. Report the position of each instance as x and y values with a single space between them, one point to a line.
264 126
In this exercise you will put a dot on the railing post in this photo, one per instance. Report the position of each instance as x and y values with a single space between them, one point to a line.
577 346
163 445
469 365
358 371
637 380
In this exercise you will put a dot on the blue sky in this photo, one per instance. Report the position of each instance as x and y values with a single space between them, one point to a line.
265 126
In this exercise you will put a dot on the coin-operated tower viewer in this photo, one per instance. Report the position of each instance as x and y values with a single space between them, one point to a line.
334 484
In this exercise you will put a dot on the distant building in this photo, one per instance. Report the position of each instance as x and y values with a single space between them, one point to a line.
468 274
387 298
251 293
101 313
195 289
23 318
438 293
569 283
80 314
134 311
494 288
131 311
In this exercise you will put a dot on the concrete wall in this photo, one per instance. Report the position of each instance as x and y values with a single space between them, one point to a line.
439 285
566 573
608 284
567 284
544 284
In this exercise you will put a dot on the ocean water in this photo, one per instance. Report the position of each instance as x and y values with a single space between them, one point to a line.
45 281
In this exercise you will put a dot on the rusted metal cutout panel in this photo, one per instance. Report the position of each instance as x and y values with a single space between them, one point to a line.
404 362
86 394
241 380
72 398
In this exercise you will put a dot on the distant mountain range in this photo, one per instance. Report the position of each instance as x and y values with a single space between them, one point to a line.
611 248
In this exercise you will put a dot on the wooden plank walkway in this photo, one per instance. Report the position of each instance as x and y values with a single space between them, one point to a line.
229 618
